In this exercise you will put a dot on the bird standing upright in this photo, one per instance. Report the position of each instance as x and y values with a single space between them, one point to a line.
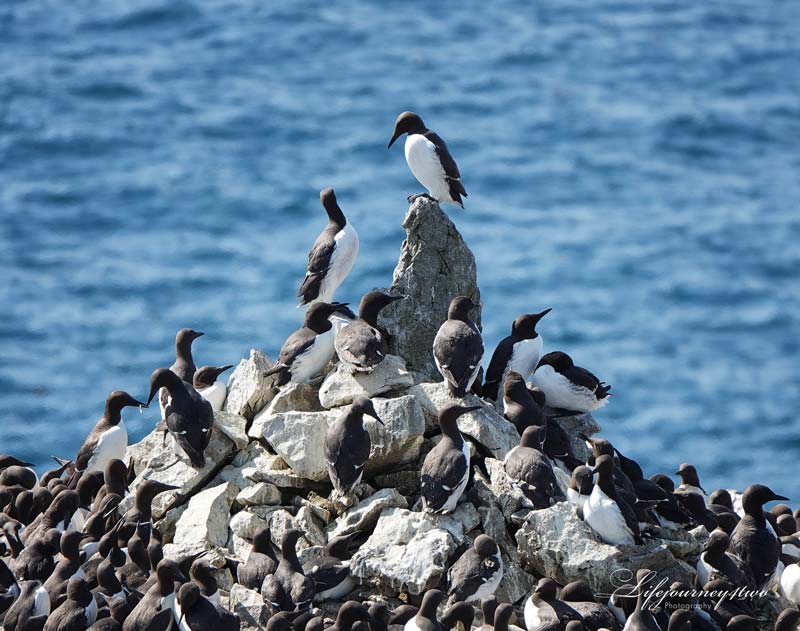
429 160
458 347
332 256
361 345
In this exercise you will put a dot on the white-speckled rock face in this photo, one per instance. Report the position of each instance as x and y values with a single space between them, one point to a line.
248 390
364 515
259 494
435 266
233 426
554 542
410 550
250 607
342 386
153 458
205 519
486 426
295 397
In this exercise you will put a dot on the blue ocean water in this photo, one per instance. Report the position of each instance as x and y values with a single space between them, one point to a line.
632 165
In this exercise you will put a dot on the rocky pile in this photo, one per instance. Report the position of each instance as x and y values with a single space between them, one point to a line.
265 467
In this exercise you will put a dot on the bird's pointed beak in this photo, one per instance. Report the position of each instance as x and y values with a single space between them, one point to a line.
153 391
397 135
539 316
779 497
378 418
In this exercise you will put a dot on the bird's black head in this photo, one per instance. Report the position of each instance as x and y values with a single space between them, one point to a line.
718 540
280 622
688 474
118 400
546 589
525 325
207 375
559 360
485 546
78 591
349 612
407 123
459 612
502 616
185 337
514 384
318 313
366 406
372 303
328 200
756 495
449 414
188 595
162 378
430 602
665 482
534 436
460 308
787 620
581 480
681 619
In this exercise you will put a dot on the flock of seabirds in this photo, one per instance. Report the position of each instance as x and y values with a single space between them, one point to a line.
72 560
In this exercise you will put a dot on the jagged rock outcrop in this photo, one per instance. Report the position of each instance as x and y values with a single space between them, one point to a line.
248 389
554 542
341 386
435 266
204 523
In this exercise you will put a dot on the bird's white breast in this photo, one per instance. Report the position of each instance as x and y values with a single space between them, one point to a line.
525 356
424 163
111 446
311 363
531 615
560 392
41 602
452 501
215 394
606 519
790 583
344 256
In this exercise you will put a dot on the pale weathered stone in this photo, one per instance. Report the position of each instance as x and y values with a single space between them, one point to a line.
258 494
295 397
233 426
399 440
248 389
364 515
310 525
342 386
205 518
574 425
246 523
486 426
259 465
154 459
435 266
554 542
250 607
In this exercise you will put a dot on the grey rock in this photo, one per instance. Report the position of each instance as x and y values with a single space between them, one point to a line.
234 427
295 397
365 514
408 551
248 390
250 607
154 459
554 542
342 386
310 525
260 493
573 425
486 426
399 440
435 266
205 519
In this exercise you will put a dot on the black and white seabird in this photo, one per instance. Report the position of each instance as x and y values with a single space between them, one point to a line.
198 613
188 416
78 611
429 160
458 347
531 471
155 611
360 344
458 613
690 481
641 619
543 609
349 614
754 541
580 488
29 610
715 562
139 518
332 256
787 620
307 351
260 562
445 470
426 619
288 589
347 446
206 382
519 352
579 595
477 573
331 572
67 566
606 513
567 386
108 440
183 366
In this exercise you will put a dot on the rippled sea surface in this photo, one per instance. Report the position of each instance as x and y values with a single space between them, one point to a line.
632 165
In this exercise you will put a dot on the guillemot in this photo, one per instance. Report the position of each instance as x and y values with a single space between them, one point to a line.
458 347
288 588
332 256
360 344
477 573
429 160
605 512
206 381
519 352
445 470
567 386
183 366
531 471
